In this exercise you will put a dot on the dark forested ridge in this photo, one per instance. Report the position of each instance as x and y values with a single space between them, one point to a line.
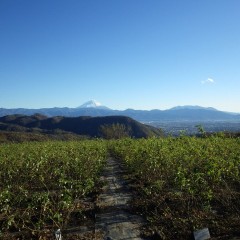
88 126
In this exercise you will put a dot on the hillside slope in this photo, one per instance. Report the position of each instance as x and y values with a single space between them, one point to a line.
89 126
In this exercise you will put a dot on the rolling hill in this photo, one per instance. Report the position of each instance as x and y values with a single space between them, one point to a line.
87 126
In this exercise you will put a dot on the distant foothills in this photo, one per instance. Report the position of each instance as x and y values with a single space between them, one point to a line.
95 109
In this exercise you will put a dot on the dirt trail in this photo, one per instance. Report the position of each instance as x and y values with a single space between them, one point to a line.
114 219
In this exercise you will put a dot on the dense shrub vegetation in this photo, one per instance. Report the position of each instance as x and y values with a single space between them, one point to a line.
185 183
40 183
181 184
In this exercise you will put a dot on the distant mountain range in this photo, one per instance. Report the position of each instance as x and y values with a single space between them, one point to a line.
193 108
95 109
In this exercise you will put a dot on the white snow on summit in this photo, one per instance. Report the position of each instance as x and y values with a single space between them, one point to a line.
92 104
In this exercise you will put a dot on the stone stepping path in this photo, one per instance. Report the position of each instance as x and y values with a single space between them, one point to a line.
114 219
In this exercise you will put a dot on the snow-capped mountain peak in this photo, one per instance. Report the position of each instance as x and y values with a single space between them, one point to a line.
92 104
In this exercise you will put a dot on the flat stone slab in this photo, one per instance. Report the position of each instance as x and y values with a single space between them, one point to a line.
114 218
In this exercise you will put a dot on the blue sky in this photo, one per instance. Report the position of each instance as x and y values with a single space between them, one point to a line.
123 53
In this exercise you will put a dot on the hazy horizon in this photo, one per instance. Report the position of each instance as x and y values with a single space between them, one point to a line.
125 54
185 106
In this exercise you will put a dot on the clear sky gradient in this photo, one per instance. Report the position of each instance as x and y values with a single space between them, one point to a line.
137 54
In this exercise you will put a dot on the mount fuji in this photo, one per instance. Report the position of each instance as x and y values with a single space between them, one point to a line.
93 104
